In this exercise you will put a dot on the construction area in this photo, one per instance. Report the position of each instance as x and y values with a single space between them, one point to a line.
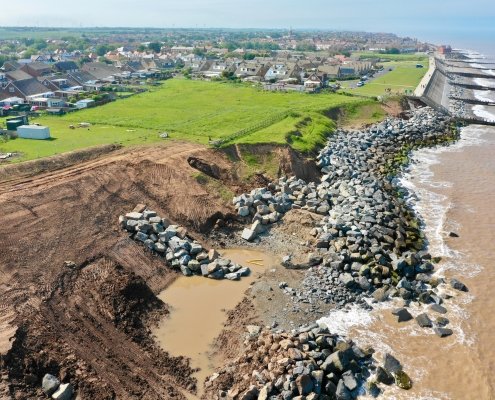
79 296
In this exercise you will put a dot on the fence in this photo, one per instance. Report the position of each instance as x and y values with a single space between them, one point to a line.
253 128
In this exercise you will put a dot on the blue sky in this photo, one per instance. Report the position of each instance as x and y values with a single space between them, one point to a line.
436 20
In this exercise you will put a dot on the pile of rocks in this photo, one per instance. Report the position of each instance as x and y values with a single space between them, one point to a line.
309 363
179 250
367 235
265 206
53 388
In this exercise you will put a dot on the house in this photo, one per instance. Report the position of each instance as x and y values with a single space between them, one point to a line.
217 68
66 66
81 77
101 71
252 70
26 89
330 71
47 102
17 75
313 82
84 80
10 66
37 69
197 66
284 72
356 68
164 62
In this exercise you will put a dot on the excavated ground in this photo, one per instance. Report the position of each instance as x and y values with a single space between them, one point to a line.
88 321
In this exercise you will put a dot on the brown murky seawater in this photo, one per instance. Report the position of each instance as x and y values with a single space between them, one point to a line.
198 307
456 192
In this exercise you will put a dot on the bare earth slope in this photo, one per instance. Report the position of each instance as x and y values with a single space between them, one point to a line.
87 323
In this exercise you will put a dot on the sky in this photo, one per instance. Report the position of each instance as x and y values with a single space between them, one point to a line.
433 20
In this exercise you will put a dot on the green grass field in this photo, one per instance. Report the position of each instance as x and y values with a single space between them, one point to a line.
392 57
194 111
65 139
404 76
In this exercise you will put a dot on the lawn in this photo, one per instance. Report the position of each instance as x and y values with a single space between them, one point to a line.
195 111
392 57
404 76
198 110
65 139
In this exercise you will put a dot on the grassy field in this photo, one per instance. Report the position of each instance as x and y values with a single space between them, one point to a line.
404 76
65 139
194 111
392 57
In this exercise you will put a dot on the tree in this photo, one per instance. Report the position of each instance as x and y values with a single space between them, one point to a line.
305 47
392 50
155 47
102 49
199 52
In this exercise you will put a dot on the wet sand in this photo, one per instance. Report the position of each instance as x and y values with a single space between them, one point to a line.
198 307
455 188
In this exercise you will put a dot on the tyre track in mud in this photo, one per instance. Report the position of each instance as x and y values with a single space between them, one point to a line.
85 325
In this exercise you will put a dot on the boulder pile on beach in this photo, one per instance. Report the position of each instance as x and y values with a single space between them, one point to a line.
368 240
179 250
310 363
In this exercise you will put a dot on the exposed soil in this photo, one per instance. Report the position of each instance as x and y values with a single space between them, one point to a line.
88 322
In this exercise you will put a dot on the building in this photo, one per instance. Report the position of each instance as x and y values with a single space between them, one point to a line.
445 49
66 66
26 89
37 69
284 72
252 70
85 103
101 71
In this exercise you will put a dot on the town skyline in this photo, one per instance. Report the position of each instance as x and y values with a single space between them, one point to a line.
421 19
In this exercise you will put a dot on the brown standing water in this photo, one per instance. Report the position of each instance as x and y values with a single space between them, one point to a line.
197 310
455 189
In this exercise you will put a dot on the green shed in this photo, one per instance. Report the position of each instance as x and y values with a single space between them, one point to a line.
13 124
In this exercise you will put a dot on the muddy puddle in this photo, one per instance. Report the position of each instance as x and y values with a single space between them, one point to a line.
198 310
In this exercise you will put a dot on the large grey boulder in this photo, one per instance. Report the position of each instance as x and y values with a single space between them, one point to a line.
50 384
391 364
248 234
458 285
134 215
424 321
243 211
304 384
342 392
443 332
402 314
350 381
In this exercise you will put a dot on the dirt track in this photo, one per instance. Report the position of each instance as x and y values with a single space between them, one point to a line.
88 323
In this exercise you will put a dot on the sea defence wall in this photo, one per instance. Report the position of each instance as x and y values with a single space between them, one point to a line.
449 89
437 92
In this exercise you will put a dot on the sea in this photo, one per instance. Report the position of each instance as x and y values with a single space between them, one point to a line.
453 190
